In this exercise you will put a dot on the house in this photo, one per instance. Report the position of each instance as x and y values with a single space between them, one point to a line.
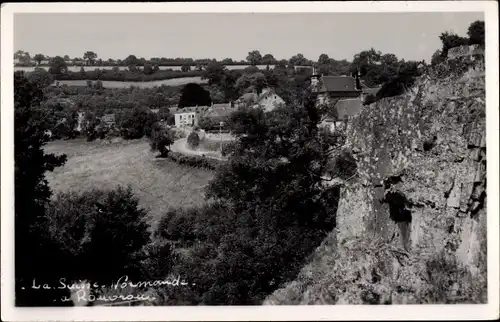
342 112
187 116
267 99
332 88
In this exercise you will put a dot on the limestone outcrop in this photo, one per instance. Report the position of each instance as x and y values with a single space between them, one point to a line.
411 226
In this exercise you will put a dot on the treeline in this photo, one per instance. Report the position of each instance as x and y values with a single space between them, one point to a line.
126 75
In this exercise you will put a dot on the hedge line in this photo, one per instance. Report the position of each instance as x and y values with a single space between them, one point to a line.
195 161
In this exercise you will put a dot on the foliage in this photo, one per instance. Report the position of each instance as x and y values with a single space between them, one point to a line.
451 40
193 94
273 209
40 77
193 140
195 161
186 68
36 257
99 226
161 138
249 82
38 58
343 165
476 33
90 57
136 123
58 66
214 72
127 75
254 57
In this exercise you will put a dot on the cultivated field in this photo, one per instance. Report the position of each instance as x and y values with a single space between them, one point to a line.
158 183
118 84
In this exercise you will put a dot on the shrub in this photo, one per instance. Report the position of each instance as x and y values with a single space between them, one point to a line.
103 231
193 140
344 165
195 161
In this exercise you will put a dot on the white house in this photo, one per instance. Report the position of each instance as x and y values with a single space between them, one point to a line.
187 116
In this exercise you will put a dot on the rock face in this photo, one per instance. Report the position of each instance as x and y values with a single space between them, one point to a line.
411 228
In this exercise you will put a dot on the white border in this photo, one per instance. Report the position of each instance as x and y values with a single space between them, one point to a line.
290 313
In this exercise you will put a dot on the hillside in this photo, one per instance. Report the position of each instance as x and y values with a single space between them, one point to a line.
411 227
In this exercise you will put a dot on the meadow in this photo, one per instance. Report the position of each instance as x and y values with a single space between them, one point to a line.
149 84
159 183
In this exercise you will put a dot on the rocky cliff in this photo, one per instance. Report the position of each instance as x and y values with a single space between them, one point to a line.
411 227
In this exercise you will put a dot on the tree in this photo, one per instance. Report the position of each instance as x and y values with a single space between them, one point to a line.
437 58
273 181
40 77
90 57
214 73
193 94
193 140
100 226
58 66
131 60
161 138
298 60
227 61
256 81
254 57
36 256
66 58
323 59
186 68
451 40
476 33
148 69
38 58
165 115
268 59
137 123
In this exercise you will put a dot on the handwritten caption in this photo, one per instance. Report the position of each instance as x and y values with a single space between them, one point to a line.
81 292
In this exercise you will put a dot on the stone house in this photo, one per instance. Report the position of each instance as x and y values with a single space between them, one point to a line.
267 99
187 117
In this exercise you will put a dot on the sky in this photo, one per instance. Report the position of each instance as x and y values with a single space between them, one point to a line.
412 36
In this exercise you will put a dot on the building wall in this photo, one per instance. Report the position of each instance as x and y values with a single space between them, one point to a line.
186 119
270 102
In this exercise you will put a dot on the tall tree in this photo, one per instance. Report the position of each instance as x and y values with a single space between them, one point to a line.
38 58
58 66
268 59
254 57
193 94
36 257
214 73
476 33
90 57
323 59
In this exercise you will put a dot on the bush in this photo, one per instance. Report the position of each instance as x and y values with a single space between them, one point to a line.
195 161
344 166
193 140
102 231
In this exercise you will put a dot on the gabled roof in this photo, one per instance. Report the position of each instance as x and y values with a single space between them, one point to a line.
338 84
218 112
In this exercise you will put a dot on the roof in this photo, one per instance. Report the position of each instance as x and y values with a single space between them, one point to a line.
218 112
194 109
338 84
248 97
348 107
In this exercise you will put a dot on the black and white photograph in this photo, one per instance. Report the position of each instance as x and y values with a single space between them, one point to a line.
256 158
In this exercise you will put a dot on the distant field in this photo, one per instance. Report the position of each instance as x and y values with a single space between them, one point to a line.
149 84
158 183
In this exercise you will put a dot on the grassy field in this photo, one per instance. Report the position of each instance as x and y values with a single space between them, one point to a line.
158 183
149 84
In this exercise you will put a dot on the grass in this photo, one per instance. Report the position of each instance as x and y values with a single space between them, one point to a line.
148 84
159 183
